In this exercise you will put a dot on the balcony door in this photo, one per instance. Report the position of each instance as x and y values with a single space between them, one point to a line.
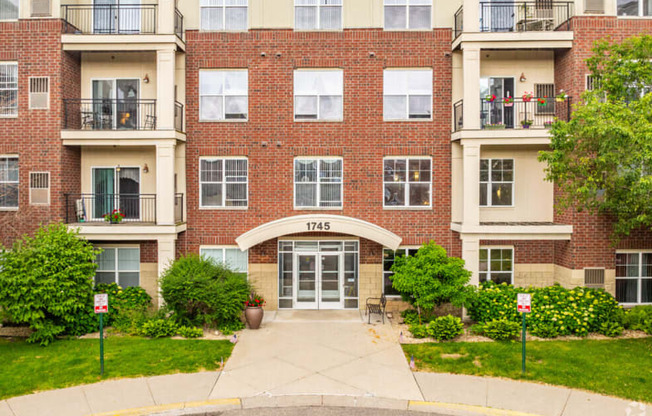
499 16
115 104
497 112
116 16
116 188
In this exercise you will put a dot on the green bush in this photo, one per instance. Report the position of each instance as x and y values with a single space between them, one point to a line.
46 282
611 329
124 304
200 291
544 330
476 329
158 328
418 331
230 327
410 316
190 332
445 328
647 327
501 329
635 318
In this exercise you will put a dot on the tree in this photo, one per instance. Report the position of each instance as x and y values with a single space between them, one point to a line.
46 282
430 278
602 158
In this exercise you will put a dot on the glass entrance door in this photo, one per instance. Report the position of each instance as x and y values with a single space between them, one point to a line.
318 281
330 282
306 281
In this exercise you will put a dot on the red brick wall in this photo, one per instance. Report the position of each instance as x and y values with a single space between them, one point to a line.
363 139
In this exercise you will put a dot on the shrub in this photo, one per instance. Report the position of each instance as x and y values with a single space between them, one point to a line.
410 316
544 330
200 291
124 304
445 328
476 329
501 330
230 327
647 327
418 331
46 282
190 332
611 329
158 328
635 318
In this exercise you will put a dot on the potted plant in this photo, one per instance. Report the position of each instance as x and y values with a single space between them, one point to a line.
561 97
254 310
547 124
490 98
508 101
526 123
542 101
527 97
115 217
494 126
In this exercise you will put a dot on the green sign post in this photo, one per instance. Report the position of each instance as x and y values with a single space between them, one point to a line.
101 307
524 305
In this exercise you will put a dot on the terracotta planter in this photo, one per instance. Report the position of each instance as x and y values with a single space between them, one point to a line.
254 317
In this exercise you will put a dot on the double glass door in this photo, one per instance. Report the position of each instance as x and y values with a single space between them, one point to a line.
318 281
115 104
497 112
116 188
116 16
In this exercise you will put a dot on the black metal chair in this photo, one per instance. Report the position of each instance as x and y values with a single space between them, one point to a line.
377 306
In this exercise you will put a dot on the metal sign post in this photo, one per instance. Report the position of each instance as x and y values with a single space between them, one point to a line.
101 307
524 305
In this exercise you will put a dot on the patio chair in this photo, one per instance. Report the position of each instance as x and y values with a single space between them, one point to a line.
377 306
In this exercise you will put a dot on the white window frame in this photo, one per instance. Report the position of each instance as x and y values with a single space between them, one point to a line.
640 11
407 4
407 183
638 278
31 189
224 95
224 249
385 273
17 17
317 183
224 7
408 94
14 113
17 182
488 184
318 96
319 6
489 271
47 107
223 182
116 271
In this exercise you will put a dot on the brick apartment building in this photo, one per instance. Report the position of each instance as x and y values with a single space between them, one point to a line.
306 142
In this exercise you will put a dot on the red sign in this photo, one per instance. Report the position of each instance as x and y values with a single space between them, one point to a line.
101 303
524 302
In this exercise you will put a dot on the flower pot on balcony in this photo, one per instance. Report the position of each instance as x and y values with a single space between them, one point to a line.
509 104
526 126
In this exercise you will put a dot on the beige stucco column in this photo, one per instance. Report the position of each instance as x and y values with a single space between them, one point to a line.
165 158
166 255
471 199
471 257
165 71
166 16
471 72
471 16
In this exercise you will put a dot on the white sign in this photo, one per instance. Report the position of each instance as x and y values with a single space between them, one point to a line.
524 301
101 303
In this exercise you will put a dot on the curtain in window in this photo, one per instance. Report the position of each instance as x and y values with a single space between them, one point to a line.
306 183
319 93
331 17
235 176
330 182
8 89
306 14
211 182
236 17
128 267
9 9
236 260
8 182
212 14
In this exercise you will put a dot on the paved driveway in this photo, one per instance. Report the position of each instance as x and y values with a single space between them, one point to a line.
317 352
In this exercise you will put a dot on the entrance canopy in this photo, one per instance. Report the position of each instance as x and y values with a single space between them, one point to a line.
318 223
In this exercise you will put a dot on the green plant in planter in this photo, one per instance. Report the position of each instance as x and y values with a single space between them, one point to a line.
526 123
445 328
501 330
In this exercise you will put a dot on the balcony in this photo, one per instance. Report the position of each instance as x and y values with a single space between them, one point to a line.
109 114
110 19
539 16
138 209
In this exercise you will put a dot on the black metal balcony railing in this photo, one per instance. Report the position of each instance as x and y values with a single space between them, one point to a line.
109 19
92 208
178 116
536 16
458 112
178 23
178 208
109 114
519 113
459 22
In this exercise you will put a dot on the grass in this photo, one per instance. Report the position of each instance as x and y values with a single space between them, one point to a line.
616 367
27 368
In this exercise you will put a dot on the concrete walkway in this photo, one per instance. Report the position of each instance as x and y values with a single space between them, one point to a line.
309 359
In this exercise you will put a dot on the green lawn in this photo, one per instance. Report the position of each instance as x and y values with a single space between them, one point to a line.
26 368
616 367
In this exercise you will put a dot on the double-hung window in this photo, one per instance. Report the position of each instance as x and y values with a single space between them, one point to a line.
408 14
8 88
318 94
119 265
407 94
231 257
634 277
497 265
318 183
634 8
223 14
9 9
388 261
407 182
8 182
223 94
318 14
223 182
496 182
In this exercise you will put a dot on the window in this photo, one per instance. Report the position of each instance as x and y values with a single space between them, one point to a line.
119 265
407 94
318 14
545 91
408 14
9 9
318 95
318 183
590 82
634 8
496 182
388 261
634 277
8 182
223 183
39 93
497 265
223 14
407 182
39 188
8 89
223 95
231 257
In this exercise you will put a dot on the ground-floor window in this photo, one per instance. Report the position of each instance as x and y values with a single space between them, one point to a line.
119 265
388 261
634 277
232 257
497 265
318 274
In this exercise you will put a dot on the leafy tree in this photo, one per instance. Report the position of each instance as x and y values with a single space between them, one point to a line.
602 158
430 278
46 282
